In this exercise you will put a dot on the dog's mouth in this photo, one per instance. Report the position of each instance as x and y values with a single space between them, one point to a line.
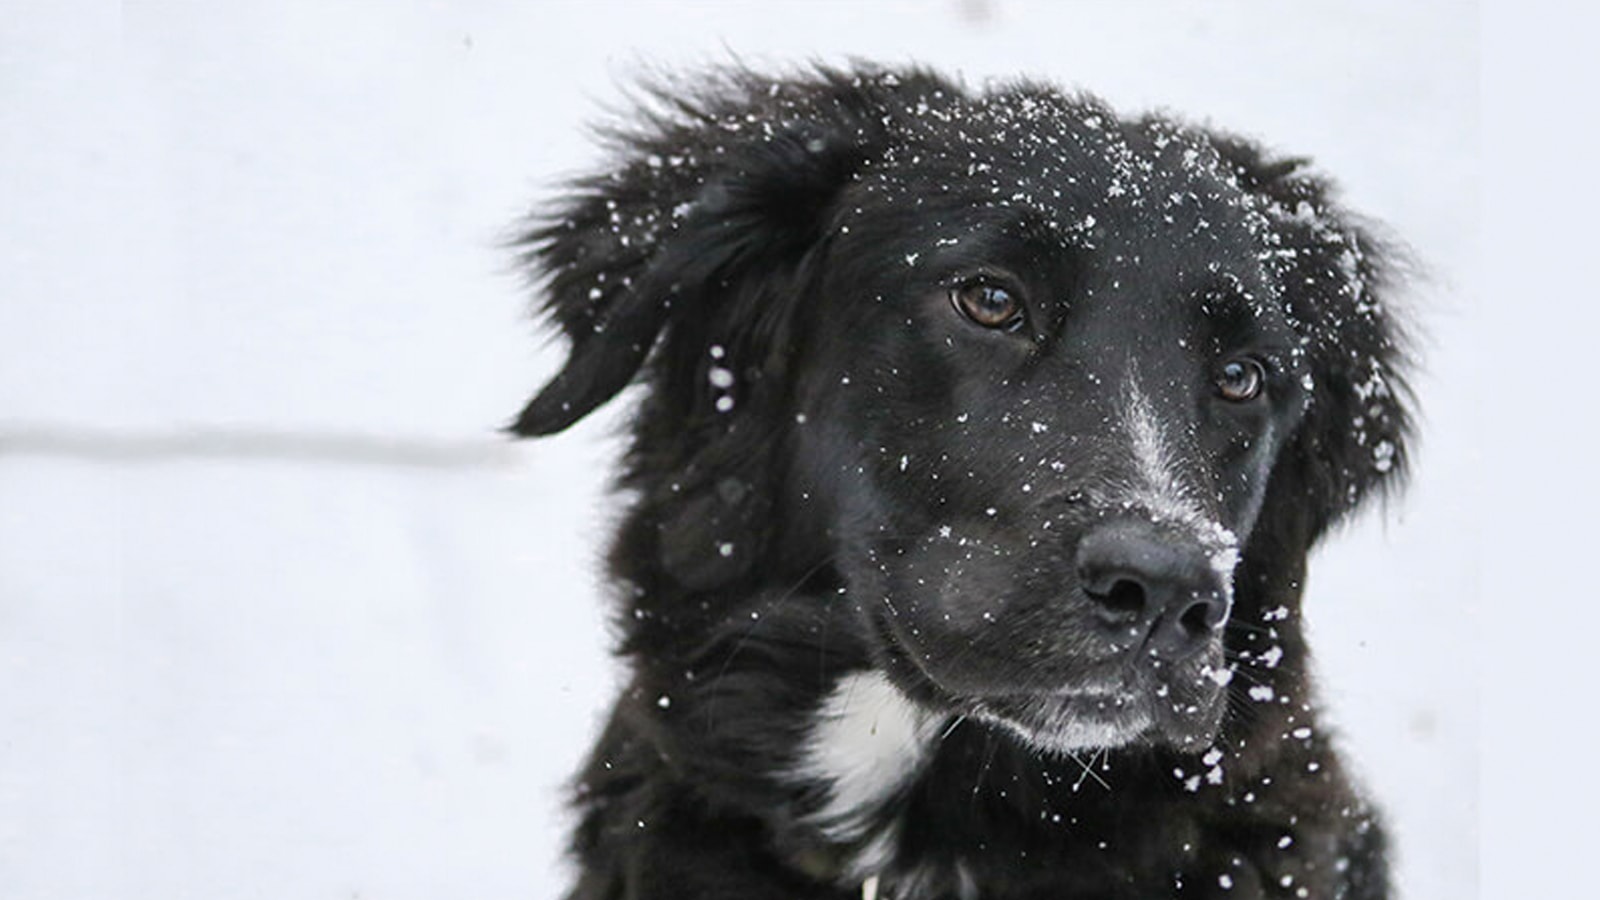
1134 704
1070 722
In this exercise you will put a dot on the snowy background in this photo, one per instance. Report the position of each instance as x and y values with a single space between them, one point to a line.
282 617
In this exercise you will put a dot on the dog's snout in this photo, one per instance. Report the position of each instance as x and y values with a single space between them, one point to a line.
1156 587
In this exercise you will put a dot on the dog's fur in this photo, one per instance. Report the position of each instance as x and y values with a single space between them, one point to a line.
873 648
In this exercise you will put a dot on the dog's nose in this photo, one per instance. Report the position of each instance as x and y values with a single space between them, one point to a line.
1145 584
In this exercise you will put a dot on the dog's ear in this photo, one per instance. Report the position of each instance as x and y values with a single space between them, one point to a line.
1338 281
727 180
692 261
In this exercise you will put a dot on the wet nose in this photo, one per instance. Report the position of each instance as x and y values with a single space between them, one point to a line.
1160 587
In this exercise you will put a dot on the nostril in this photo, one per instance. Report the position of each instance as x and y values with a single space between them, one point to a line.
1203 616
1120 600
1126 598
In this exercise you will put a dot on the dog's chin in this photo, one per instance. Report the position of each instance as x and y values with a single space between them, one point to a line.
1066 724
1180 708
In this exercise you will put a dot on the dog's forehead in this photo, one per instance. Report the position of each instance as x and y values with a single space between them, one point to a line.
1075 174
1072 154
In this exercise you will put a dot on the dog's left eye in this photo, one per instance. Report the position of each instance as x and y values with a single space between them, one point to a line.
988 304
1241 379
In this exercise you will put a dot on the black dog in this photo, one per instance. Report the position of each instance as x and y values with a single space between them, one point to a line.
982 441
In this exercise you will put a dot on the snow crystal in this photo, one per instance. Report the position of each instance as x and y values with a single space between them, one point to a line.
1383 456
1262 693
720 377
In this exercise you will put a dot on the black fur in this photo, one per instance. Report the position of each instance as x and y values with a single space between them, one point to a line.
832 471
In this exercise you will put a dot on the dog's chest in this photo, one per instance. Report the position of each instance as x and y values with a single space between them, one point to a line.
864 747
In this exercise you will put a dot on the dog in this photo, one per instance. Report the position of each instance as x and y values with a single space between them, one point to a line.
981 440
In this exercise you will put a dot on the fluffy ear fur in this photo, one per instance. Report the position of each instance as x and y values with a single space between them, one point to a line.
700 241
723 188
1336 276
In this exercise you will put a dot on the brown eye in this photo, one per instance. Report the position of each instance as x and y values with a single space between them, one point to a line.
988 304
1240 379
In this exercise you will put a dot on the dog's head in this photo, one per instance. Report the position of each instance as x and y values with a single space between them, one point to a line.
1050 391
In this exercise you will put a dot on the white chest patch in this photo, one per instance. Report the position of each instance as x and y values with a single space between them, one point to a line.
866 742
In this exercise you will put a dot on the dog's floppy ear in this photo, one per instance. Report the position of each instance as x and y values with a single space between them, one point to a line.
726 179
1338 280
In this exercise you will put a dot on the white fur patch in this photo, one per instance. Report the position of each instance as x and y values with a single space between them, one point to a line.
866 742
1161 490
1161 487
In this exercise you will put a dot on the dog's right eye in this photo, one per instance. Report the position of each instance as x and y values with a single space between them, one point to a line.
988 304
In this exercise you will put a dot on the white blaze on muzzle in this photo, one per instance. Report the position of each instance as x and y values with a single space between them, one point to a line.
1159 488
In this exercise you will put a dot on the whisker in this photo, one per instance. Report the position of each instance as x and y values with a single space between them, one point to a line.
1088 769
991 745
954 723
1237 625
